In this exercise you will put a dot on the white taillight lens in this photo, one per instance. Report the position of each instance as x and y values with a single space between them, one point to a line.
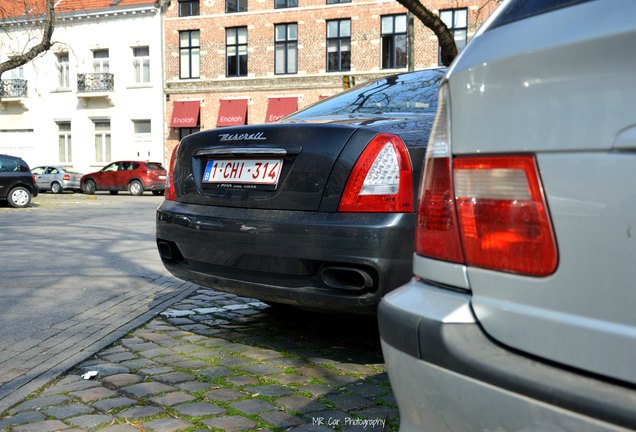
384 175
381 179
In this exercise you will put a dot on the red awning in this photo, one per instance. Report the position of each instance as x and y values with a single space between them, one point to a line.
185 114
280 107
233 112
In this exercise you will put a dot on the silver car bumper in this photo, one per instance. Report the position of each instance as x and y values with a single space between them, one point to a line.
447 375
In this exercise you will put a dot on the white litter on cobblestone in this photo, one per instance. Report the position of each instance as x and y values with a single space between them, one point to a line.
90 374
234 307
171 313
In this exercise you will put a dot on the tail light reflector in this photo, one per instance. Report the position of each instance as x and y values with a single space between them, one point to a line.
67 176
170 192
381 179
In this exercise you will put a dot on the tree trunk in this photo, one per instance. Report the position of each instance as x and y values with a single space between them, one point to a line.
41 47
434 22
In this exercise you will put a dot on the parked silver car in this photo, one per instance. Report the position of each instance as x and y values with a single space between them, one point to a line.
522 312
56 179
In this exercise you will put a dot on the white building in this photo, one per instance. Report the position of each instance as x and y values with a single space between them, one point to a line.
96 96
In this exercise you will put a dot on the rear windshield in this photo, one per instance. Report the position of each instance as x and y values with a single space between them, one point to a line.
154 166
414 92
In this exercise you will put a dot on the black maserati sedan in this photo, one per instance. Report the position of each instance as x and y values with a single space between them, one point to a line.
316 210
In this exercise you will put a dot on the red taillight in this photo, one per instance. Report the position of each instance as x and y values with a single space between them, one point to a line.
381 179
170 193
437 234
503 215
33 179
491 210
67 176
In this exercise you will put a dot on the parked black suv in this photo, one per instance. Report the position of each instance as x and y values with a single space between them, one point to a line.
17 184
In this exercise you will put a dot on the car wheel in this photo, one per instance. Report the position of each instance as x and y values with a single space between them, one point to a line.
135 188
113 192
19 197
56 188
89 187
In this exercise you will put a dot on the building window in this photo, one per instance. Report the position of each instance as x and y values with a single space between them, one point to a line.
286 41
184 132
338 45
338 1
394 41
17 73
188 8
102 141
232 6
101 63
189 54
236 51
142 126
63 71
64 142
280 4
457 22
141 64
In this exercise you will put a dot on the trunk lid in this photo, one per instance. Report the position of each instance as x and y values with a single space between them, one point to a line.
277 166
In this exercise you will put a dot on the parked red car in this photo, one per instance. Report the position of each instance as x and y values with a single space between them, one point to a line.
134 176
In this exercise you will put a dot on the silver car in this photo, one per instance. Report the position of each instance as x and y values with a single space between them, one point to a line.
522 312
56 178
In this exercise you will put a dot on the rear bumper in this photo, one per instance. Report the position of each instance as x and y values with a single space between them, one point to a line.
286 256
70 184
447 375
155 185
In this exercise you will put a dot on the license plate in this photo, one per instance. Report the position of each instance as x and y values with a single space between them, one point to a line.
243 171
162 177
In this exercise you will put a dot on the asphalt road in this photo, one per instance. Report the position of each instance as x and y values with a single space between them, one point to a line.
76 270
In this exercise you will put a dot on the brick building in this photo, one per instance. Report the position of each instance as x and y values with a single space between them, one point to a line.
235 62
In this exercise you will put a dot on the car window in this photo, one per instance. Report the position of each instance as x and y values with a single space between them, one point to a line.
38 170
9 165
414 92
154 166
111 167
133 166
52 170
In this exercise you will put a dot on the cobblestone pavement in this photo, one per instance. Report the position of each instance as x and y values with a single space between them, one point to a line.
215 361
65 303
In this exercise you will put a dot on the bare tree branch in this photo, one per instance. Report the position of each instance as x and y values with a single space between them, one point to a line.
435 23
43 46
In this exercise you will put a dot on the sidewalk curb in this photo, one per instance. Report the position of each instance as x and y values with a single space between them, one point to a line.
17 390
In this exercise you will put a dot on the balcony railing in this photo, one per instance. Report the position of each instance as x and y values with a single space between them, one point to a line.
95 82
13 88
